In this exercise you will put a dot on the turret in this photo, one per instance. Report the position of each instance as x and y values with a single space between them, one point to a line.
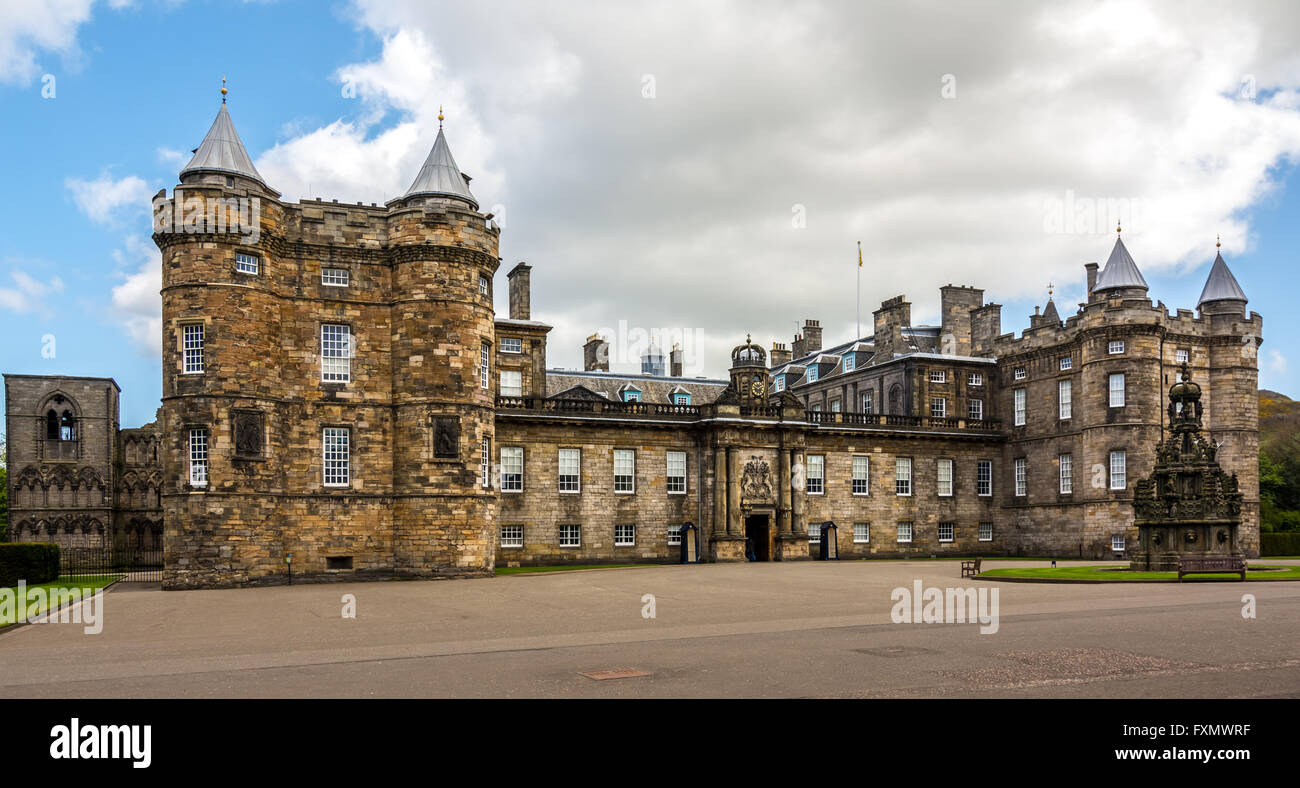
749 373
1121 277
1221 294
443 254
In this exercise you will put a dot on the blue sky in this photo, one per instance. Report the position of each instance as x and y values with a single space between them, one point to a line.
642 210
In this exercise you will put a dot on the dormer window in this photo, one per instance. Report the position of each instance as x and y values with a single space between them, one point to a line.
848 362
681 399
778 383
812 374
631 395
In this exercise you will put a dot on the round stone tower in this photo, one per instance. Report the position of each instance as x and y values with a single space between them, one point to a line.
221 237
327 377
443 256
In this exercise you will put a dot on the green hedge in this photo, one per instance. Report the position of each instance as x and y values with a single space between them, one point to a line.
1279 544
35 562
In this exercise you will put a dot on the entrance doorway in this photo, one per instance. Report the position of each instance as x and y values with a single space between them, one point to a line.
758 535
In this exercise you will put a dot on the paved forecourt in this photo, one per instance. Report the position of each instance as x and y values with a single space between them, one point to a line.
765 630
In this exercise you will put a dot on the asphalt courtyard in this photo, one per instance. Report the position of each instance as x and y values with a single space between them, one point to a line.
807 629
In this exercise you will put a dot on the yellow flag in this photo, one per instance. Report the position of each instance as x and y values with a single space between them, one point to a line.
859 254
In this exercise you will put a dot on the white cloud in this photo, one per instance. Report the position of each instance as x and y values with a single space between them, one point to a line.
173 157
1276 362
30 28
352 160
108 200
29 294
136 303
646 209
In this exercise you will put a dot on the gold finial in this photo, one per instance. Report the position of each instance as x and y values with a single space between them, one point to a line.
223 90
1051 288
1216 241
747 340
439 116
1118 227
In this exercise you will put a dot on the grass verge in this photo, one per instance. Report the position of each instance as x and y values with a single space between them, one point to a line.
73 582
529 570
1109 574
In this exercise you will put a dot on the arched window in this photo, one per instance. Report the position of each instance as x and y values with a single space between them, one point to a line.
52 425
67 427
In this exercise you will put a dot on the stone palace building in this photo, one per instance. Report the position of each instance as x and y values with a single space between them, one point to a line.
338 392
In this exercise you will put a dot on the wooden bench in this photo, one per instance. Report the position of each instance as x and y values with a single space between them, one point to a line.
971 568
1213 565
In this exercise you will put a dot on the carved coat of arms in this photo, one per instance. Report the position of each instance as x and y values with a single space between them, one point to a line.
754 483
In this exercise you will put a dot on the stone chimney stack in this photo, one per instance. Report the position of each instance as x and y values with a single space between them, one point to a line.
957 303
986 326
797 346
675 357
891 318
812 336
595 354
780 355
1092 277
519 277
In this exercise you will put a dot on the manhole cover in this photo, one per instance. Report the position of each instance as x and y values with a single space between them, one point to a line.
617 673
896 651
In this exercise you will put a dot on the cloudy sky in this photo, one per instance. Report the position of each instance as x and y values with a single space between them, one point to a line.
705 166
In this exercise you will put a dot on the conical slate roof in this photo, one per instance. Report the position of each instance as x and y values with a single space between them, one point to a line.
1120 271
1221 285
223 151
440 176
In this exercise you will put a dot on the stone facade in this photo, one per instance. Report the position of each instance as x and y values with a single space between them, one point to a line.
356 335
75 478
338 392
1061 371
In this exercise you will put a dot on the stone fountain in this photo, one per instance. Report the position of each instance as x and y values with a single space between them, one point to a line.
1188 506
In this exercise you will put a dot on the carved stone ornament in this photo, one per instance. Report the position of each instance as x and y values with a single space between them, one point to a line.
446 437
249 433
754 483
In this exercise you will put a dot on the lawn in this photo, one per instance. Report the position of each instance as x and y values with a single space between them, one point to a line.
528 570
1109 574
963 558
76 582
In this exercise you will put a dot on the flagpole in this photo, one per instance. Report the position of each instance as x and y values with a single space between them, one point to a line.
859 290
